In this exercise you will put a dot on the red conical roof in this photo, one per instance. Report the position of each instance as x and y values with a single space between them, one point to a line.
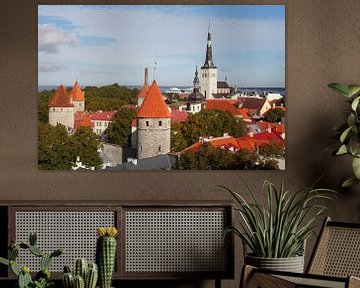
143 91
154 105
61 98
76 94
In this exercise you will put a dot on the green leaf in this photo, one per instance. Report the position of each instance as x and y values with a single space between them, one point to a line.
345 134
355 103
349 182
4 261
340 88
356 167
353 89
351 120
342 150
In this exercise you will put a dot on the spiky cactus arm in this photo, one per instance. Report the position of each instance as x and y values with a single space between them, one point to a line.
91 276
105 257
68 280
106 254
80 268
24 280
79 282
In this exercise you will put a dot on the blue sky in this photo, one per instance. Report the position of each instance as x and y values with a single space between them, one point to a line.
100 45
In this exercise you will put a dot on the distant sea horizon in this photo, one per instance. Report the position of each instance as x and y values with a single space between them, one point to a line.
280 90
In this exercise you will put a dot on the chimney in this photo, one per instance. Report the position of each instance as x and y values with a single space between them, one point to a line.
146 76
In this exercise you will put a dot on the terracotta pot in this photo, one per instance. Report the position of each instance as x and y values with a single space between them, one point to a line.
291 264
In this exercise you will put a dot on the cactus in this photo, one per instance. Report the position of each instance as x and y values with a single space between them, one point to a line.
79 282
91 276
105 255
45 261
80 267
88 274
24 278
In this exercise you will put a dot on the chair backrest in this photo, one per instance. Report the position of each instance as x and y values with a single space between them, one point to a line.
337 251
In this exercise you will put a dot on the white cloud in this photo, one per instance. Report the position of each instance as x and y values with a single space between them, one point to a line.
49 67
52 37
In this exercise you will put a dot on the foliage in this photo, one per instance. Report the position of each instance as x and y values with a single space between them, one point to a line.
213 158
119 130
279 229
274 115
349 132
111 97
43 105
42 278
207 123
58 151
54 149
273 149
178 142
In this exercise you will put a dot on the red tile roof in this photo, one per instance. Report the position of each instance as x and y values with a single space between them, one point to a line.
268 137
226 105
82 119
178 116
61 98
76 93
103 115
279 128
154 105
143 91
236 144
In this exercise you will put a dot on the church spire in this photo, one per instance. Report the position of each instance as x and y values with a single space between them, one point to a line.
196 81
209 63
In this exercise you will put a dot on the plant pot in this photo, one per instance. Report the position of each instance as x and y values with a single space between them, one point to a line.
291 264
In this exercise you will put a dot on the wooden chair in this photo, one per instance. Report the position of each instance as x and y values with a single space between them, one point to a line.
335 262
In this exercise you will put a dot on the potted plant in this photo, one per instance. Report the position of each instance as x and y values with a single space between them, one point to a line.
276 233
349 132
42 278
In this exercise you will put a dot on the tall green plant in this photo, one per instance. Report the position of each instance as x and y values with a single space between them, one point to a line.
279 229
349 132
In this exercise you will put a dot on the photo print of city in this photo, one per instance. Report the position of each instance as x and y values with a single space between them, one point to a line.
161 87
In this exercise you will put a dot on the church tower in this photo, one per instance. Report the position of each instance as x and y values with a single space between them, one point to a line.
77 98
208 79
154 124
61 109
196 100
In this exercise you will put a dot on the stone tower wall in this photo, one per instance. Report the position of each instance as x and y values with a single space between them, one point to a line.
208 82
62 115
153 138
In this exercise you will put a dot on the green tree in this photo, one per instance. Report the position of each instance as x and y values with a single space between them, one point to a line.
58 151
119 130
212 123
213 158
273 149
43 105
274 115
178 142
54 151
85 143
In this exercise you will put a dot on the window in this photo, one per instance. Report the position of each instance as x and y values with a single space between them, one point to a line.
147 123
160 123
140 148
105 124
159 148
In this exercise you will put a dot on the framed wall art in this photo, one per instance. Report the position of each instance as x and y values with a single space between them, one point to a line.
161 87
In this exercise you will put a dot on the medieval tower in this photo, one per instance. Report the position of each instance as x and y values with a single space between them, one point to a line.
77 98
208 79
153 125
61 109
